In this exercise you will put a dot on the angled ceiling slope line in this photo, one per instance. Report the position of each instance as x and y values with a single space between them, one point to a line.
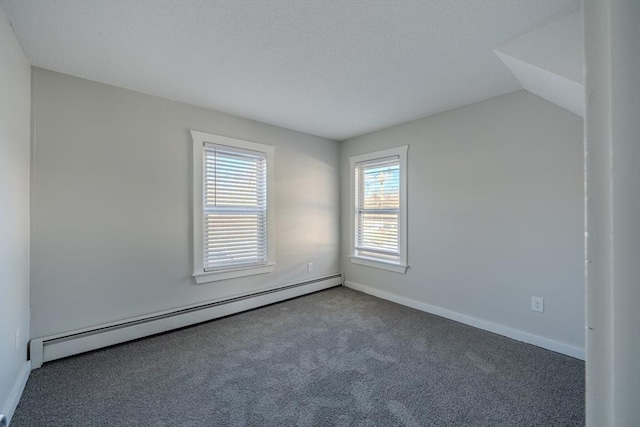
336 69
548 62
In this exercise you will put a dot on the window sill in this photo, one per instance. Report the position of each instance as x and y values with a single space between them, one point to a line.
214 276
370 262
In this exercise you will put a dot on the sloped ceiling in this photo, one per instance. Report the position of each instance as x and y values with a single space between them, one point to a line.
326 67
549 62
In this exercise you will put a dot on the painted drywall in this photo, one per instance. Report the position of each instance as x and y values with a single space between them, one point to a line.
331 68
547 85
557 47
548 62
111 205
495 216
15 149
612 131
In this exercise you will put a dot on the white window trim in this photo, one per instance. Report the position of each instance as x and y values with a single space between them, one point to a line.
201 276
400 266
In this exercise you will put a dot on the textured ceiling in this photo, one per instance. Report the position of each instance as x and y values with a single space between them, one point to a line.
331 68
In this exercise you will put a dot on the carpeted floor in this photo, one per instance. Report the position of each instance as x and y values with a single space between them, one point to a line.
333 358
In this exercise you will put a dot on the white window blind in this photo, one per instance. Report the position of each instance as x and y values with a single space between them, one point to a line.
234 207
378 208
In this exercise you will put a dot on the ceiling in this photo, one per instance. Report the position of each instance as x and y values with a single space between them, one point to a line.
330 68
549 62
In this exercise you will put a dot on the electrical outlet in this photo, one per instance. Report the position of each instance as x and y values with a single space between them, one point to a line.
18 339
537 304
309 267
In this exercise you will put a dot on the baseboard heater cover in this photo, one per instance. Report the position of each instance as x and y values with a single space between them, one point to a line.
58 346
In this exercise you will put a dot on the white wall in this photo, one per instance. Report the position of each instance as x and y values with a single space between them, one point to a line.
557 47
15 113
495 217
111 231
612 53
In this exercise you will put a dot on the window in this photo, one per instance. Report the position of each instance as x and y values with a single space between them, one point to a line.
379 213
233 216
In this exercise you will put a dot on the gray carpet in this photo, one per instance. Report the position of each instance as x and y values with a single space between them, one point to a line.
333 358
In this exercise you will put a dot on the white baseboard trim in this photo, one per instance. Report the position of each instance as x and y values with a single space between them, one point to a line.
16 392
74 342
549 344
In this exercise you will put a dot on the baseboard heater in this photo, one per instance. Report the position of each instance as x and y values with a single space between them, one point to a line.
58 346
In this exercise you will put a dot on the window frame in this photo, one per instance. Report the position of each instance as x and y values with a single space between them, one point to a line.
199 273
401 265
